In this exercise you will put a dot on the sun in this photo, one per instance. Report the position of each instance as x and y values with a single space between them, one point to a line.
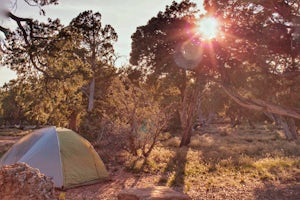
208 27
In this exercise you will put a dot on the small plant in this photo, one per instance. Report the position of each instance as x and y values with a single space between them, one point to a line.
62 196
165 136
224 133
173 142
187 187
137 116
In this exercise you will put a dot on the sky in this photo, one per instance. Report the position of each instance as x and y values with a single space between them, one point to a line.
124 15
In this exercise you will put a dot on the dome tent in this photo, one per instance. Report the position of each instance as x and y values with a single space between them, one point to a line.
58 153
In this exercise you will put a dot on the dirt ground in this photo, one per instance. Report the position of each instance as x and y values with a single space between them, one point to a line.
8 140
121 179
9 136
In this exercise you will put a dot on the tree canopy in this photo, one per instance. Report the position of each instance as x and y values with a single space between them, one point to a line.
261 45
58 64
259 42
254 58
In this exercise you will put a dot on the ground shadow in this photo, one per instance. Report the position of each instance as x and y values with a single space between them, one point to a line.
271 191
174 173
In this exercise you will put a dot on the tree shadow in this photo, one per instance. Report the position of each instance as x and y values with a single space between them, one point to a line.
174 173
272 191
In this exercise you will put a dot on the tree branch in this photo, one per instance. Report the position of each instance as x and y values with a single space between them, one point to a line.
4 30
260 105
18 20
84 90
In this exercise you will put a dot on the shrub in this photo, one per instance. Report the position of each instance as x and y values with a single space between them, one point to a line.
173 142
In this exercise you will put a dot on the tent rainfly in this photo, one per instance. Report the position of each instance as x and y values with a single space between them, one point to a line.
61 154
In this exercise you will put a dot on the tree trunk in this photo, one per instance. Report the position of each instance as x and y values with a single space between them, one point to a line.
199 113
211 116
293 128
91 95
188 108
273 118
132 147
252 126
277 120
133 133
186 136
289 128
73 121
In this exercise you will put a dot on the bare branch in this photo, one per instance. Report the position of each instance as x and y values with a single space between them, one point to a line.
18 20
84 90
4 30
31 4
260 105
31 57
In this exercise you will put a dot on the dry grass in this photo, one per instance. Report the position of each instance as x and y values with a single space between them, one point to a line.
220 162
222 156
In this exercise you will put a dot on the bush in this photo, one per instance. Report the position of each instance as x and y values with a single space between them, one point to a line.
173 142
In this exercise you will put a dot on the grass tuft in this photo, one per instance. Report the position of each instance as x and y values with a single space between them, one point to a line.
212 159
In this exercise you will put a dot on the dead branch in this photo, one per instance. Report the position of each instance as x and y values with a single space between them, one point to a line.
261 105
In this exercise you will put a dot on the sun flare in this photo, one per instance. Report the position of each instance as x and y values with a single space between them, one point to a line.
208 27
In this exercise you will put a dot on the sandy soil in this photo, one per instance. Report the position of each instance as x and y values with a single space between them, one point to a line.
121 179
8 140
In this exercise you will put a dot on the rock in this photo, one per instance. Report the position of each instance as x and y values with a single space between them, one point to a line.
152 193
22 182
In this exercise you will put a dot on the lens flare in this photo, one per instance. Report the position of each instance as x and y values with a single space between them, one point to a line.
188 55
208 28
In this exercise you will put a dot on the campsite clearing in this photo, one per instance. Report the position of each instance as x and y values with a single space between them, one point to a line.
220 163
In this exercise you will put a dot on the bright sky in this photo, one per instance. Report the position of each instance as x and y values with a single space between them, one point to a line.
123 15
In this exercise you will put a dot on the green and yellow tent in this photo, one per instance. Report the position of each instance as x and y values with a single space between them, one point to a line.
61 154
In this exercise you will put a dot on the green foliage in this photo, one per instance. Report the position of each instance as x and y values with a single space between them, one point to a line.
93 125
135 115
96 39
257 55
47 99
10 111
154 45
55 69
166 50
29 56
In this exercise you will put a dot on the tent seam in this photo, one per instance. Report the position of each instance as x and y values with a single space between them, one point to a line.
60 161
